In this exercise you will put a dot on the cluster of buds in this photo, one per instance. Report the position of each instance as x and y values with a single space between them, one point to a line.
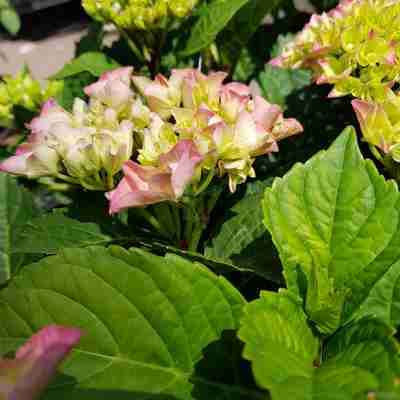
134 15
87 146
22 90
169 136
380 124
199 127
355 47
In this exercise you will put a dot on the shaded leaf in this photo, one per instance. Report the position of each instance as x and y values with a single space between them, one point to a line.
50 233
242 238
241 28
146 318
213 18
16 207
278 83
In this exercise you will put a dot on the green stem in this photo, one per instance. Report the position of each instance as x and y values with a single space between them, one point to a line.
177 220
206 182
152 220
195 238
132 45
375 152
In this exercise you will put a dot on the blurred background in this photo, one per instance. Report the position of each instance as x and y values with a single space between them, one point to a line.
46 40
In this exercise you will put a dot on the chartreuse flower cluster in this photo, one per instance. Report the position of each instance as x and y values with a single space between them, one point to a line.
355 47
167 135
22 90
134 15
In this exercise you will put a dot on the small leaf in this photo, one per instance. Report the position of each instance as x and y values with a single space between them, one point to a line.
16 207
336 213
278 83
146 320
95 63
279 342
213 18
50 233
10 20
242 238
241 28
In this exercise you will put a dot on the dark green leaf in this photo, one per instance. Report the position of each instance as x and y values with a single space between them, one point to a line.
213 18
242 27
50 233
16 207
278 83
242 238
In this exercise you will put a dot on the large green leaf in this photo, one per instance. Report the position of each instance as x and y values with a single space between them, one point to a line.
241 28
242 238
146 318
278 339
16 207
338 219
213 18
50 233
93 62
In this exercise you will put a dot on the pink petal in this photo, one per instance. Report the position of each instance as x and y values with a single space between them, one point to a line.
265 113
16 165
362 110
36 362
182 160
123 74
141 186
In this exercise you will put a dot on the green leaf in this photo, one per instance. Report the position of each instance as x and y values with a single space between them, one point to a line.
146 318
278 340
73 87
284 353
10 20
16 207
50 233
92 41
95 63
278 83
333 383
336 214
242 238
213 18
367 344
242 27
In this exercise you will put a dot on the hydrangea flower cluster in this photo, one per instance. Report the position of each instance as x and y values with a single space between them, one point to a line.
87 146
23 90
354 47
169 136
380 123
138 14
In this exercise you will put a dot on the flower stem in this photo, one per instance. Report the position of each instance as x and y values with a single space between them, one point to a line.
152 220
132 45
206 182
